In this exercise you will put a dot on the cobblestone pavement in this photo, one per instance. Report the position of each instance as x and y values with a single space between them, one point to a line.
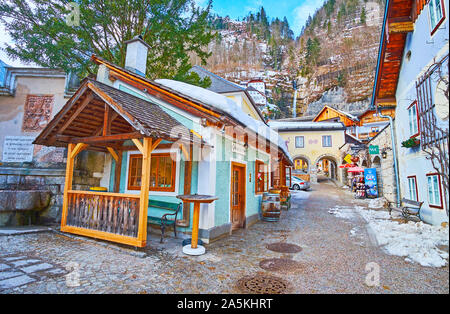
333 259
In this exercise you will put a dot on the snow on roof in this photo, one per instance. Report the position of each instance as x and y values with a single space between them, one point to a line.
284 125
228 106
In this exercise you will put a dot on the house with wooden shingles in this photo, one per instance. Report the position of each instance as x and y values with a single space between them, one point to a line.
363 125
412 76
164 138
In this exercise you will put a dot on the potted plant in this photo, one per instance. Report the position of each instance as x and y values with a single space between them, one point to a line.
412 142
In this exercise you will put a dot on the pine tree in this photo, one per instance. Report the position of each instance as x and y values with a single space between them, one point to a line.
172 28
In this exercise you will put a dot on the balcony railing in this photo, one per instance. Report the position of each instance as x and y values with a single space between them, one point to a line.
112 213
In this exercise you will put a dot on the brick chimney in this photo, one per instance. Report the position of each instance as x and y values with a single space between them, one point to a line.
136 57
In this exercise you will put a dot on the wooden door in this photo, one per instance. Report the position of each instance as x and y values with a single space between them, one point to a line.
237 196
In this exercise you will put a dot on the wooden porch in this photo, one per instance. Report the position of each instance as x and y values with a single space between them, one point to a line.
101 118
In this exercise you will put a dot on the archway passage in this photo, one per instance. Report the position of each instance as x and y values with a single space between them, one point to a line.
326 167
301 165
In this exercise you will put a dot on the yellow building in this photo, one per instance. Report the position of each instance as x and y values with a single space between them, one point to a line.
237 93
314 147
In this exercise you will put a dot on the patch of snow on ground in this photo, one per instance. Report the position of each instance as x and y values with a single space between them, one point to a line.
300 195
344 212
416 241
376 203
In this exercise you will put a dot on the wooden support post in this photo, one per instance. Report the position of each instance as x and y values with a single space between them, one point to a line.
118 171
145 185
187 189
195 222
67 184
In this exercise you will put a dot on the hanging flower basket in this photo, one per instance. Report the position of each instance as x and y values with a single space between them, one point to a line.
412 142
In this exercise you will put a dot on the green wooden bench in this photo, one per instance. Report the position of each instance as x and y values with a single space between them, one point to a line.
163 221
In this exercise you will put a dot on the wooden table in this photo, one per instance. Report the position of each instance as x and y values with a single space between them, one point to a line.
194 248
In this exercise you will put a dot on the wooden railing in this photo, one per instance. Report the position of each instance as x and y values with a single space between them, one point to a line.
102 215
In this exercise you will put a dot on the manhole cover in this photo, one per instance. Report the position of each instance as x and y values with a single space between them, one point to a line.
262 284
280 265
283 247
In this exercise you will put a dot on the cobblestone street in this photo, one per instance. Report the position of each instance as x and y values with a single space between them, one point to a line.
331 259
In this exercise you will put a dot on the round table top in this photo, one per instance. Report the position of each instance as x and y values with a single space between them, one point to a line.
197 198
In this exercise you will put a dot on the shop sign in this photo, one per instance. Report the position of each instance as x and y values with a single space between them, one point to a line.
374 149
348 158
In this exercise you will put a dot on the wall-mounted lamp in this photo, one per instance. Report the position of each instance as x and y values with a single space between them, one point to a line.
384 154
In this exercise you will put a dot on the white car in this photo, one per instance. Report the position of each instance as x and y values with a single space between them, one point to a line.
299 184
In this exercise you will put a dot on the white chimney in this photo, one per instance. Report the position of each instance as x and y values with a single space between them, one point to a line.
136 57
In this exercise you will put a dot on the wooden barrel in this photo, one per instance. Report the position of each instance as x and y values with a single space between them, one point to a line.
271 207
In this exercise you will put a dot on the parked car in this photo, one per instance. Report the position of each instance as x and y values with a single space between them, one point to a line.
299 184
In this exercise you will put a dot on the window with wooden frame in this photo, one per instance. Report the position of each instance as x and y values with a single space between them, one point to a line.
413 119
436 10
412 185
261 177
434 190
162 172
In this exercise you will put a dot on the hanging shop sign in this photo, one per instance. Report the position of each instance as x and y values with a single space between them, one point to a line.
374 149
348 158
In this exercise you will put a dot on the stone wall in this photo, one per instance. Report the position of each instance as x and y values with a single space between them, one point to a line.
384 166
25 180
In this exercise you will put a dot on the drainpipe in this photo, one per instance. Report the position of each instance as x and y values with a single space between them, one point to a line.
391 123
394 151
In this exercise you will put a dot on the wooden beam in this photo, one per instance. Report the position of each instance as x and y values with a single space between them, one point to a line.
78 148
113 153
80 108
99 131
107 121
102 139
145 185
155 144
139 145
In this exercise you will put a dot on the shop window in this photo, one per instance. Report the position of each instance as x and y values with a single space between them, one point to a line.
434 190
412 185
326 141
162 173
261 177
437 14
299 142
413 116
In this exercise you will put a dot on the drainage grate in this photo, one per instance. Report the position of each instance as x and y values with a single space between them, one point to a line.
283 265
283 247
262 284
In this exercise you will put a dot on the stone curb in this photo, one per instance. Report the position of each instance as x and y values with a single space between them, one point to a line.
22 231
